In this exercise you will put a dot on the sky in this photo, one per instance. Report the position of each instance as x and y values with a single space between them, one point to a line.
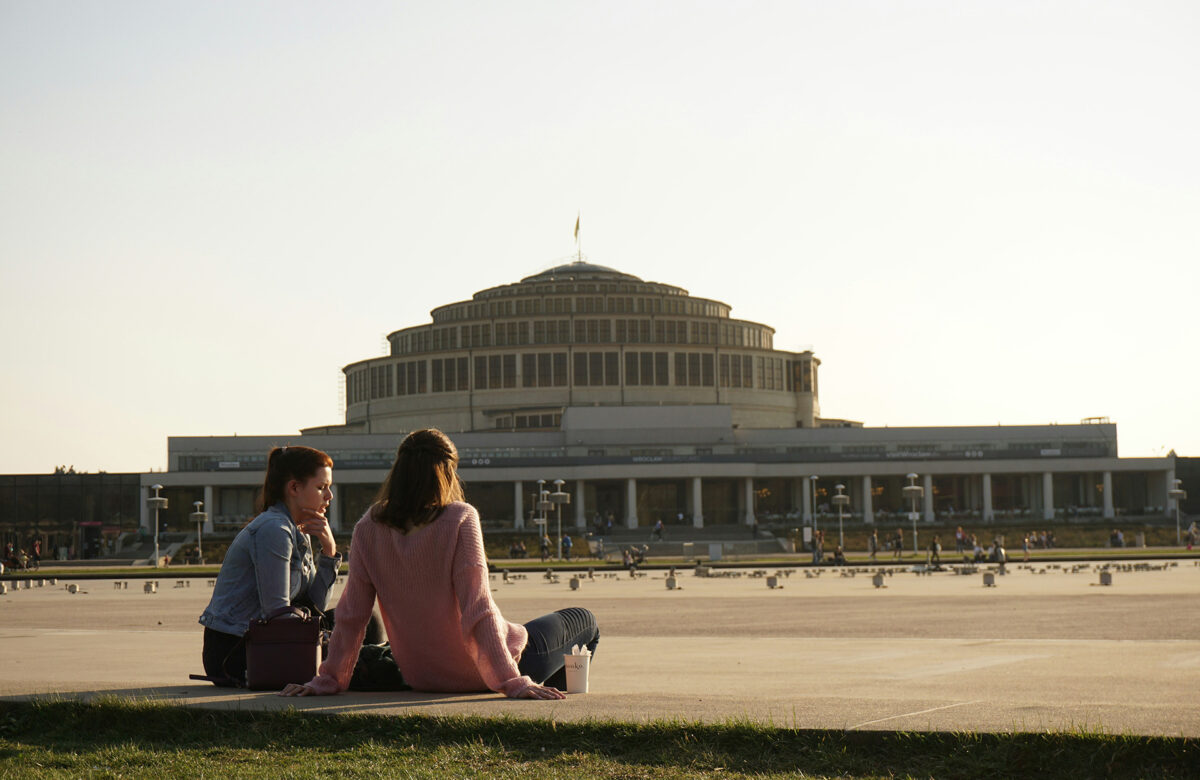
974 213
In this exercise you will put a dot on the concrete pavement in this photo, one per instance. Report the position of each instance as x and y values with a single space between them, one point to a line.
1050 650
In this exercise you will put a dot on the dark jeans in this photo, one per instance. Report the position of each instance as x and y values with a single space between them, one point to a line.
225 654
224 658
553 635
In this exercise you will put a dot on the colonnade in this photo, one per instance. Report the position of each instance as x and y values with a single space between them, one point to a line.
977 491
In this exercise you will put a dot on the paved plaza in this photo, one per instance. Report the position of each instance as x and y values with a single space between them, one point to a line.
1046 649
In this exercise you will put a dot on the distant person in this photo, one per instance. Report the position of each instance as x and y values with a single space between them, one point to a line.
657 533
418 551
1025 545
567 544
935 550
35 559
960 540
839 557
544 544
898 544
1192 534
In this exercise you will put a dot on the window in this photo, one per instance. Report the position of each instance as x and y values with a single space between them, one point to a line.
660 368
736 370
593 369
411 377
693 369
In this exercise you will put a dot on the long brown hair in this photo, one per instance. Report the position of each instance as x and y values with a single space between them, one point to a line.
422 482
285 464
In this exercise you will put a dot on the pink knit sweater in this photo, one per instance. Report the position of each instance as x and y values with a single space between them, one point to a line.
447 633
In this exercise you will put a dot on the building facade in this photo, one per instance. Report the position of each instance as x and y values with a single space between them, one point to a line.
651 404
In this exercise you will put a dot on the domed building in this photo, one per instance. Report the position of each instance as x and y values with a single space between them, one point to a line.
515 357
646 404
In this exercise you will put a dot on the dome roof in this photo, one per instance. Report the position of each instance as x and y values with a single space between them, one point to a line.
580 269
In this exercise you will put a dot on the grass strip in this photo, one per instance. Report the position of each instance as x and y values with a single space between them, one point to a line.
110 737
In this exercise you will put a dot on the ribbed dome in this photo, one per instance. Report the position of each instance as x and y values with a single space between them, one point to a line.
580 269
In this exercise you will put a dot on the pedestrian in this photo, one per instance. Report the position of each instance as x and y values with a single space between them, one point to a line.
898 544
544 543
419 551
960 540
566 546
657 533
935 551
872 544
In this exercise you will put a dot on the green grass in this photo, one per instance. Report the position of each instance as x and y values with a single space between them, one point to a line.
121 738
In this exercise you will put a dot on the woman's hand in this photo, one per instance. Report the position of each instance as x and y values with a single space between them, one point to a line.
294 689
315 523
541 692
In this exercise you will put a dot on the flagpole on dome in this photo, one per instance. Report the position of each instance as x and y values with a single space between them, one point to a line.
578 246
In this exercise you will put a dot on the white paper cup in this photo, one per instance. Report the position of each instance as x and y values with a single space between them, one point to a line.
577 672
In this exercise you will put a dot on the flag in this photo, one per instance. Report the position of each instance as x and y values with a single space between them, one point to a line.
576 227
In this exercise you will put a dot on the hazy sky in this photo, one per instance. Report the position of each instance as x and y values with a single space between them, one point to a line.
974 213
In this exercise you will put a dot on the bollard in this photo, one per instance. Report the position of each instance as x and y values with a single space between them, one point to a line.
772 582
53 582
40 583
989 580
1106 578
72 588
3 588
150 587
672 583
877 580
574 583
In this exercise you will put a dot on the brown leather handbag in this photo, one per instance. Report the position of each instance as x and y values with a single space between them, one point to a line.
283 648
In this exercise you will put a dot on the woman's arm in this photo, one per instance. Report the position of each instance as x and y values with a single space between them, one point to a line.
353 613
272 561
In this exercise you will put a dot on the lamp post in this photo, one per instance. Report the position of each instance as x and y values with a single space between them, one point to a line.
156 502
812 495
544 505
913 491
199 517
1178 494
558 498
841 500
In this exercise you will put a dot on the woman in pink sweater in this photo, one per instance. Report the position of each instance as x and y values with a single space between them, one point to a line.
419 551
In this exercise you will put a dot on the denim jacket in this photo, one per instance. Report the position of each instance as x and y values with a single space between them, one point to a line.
269 565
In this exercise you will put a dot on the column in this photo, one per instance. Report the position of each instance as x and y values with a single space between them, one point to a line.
697 503
580 509
631 520
987 498
868 511
518 505
1169 485
806 501
1048 495
144 519
210 508
333 513
748 491
927 501
1108 496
